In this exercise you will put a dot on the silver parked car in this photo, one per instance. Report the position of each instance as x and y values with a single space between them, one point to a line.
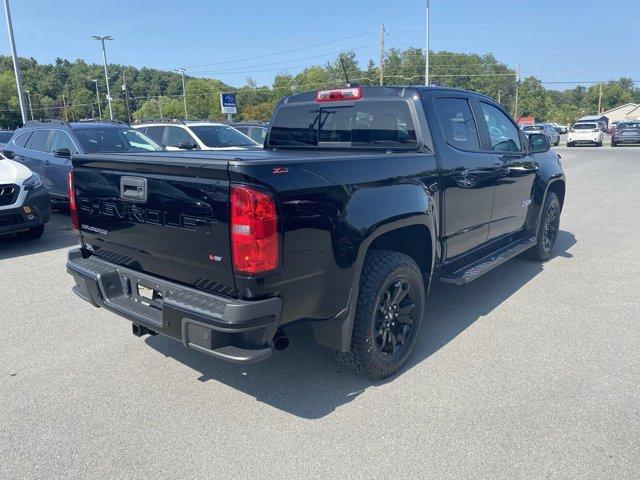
547 129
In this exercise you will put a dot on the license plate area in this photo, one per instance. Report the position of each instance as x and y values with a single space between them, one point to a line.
149 295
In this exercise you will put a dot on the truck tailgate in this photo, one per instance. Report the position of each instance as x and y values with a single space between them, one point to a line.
164 216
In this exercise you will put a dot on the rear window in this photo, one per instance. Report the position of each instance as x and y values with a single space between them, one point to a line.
21 140
533 128
39 140
629 126
363 124
584 126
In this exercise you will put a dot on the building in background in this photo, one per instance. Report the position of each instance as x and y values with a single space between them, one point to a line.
628 111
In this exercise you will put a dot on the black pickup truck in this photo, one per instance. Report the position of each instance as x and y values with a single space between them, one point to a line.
360 199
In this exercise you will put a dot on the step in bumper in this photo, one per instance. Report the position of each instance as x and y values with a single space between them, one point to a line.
231 329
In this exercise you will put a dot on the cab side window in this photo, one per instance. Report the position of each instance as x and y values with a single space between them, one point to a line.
502 132
457 122
39 141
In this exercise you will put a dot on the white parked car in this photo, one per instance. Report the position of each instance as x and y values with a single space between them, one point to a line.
586 133
196 135
25 205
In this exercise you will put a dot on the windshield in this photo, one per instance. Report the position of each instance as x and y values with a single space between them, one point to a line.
629 126
584 126
5 136
217 136
112 140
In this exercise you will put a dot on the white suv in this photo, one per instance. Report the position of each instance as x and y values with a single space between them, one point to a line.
196 135
585 133
25 205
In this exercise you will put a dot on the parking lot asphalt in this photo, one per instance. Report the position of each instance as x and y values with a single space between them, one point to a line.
532 371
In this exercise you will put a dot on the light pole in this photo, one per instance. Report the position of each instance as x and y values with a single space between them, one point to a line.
102 38
95 80
29 98
184 93
16 67
426 50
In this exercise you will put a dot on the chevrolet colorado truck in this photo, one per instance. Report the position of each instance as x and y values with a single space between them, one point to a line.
361 198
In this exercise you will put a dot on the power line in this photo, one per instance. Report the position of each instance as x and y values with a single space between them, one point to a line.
291 50
243 69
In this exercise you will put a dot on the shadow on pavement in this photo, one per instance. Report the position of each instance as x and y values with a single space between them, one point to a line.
58 233
304 379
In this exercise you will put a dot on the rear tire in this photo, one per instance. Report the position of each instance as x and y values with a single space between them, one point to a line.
614 144
557 143
598 144
547 230
31 234
388 315
570 144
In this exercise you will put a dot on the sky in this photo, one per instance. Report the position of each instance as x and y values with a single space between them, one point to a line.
562 42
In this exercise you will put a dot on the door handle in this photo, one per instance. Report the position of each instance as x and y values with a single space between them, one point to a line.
47 163
133 189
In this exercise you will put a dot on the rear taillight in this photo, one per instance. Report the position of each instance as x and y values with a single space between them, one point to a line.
73 211
254 231
339 94
596 130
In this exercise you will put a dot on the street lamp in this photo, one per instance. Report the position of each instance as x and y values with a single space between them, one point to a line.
29 97
95 80
184 93
102 38
16 67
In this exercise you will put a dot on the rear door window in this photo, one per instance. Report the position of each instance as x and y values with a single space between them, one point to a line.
39 140
177 135
154 133
458 125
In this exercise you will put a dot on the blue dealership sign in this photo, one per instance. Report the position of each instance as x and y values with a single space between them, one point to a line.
228 103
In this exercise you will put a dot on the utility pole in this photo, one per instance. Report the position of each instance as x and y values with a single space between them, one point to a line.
184 93
30 107
64 108
499 96
517 88
102 38
95 80
426 50
382 54
16 67
600 99
126 95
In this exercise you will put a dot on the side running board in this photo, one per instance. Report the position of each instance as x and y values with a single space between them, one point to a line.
478 268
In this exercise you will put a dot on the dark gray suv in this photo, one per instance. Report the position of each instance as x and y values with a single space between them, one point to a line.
46 147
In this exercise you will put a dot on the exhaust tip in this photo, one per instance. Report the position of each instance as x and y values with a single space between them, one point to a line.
280 340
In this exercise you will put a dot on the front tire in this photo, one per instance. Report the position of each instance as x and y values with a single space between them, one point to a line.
388 315
547 230
31 234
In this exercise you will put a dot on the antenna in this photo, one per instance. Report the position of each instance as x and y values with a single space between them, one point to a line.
344 70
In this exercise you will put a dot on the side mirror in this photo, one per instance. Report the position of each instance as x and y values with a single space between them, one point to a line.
62 153
539 143
8 154
187 145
